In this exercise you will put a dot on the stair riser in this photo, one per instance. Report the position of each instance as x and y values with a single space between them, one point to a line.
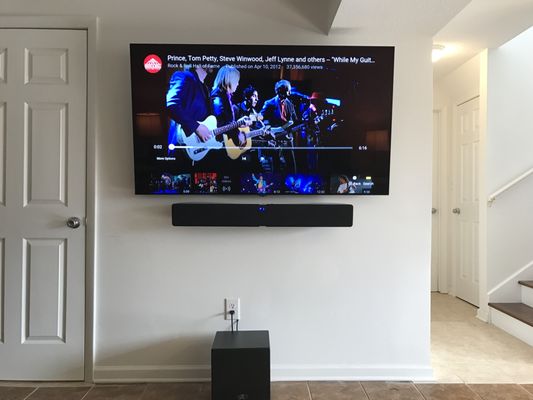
512 326
527 295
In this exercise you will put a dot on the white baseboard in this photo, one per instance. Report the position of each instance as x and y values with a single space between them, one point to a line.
512 326
351 373
151 373
483 313
202 373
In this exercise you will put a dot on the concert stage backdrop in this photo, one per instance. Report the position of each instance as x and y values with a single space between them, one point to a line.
247 119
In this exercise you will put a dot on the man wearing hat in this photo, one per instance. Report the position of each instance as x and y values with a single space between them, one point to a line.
280 111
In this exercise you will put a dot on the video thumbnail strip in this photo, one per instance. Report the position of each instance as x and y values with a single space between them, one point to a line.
259 183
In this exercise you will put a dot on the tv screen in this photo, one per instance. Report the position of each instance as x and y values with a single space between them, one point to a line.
250 119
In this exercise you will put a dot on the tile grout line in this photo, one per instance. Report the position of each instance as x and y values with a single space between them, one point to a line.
472 390
85 395
364 390
418 390
308 390
525 390
144 391
32 392
478 394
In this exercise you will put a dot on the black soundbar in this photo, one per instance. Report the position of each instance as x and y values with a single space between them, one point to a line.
220 214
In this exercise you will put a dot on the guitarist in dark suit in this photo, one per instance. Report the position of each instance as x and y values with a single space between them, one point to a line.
188 102
279 111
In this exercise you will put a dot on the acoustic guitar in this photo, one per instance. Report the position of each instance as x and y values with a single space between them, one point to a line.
193 145
234 150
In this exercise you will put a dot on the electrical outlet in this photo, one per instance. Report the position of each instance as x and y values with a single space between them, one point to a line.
232 304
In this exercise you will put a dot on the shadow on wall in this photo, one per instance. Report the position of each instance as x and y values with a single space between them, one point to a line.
183 350
288 12
148 214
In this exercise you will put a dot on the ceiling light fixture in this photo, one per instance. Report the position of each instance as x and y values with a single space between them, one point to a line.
437 52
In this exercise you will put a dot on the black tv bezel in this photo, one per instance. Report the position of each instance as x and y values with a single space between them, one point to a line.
385 180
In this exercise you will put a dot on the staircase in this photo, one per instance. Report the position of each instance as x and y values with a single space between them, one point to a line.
511 301
516 318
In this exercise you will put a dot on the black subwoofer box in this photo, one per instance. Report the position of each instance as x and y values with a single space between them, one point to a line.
240 366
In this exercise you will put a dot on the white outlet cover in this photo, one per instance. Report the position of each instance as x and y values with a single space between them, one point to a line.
232 303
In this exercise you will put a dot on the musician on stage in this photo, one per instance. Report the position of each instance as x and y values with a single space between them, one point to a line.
225 85
260 184
316 106
310 135
344 185
248 106
280 111
188 102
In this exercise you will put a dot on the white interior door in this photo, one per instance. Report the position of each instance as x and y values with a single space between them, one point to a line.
466 210
42 184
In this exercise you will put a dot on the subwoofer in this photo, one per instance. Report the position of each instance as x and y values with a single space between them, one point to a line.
240 366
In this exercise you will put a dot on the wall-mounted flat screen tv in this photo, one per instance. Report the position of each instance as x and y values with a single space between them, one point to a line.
251 119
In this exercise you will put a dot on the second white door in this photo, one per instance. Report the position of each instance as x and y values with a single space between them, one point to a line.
466 208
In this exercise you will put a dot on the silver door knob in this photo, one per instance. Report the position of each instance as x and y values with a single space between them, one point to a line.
73 222
456 211
433 210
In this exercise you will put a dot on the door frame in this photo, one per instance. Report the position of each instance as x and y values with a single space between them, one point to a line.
435 204
90 25
483 311
442 200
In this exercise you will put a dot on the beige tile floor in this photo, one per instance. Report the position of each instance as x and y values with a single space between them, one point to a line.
465 349
471 359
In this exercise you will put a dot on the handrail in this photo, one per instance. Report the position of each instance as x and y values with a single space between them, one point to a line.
493 196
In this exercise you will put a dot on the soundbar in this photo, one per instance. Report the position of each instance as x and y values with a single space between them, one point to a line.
220 214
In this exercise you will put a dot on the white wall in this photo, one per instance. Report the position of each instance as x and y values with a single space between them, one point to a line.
509 152
460 85
338 302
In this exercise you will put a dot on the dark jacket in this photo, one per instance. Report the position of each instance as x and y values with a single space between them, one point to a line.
272 111
187 100
222 109
241 110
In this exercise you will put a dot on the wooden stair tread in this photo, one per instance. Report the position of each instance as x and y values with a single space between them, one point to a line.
526 283
520 311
